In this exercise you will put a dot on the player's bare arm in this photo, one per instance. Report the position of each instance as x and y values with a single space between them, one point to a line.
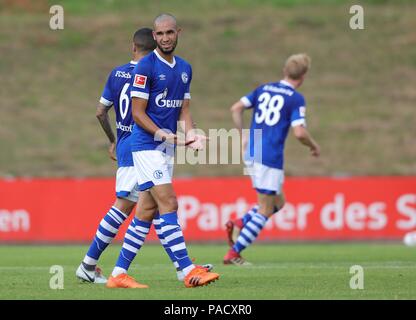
138 110
237 110
192 139
306 139
103 118
185 117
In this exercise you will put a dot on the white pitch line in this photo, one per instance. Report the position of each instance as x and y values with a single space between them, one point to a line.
365 265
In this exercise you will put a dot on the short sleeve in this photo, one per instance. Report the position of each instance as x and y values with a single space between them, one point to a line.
297 116
250 99
141 79
187 94
107 98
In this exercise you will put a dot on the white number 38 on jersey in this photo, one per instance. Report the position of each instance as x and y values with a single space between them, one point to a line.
269 109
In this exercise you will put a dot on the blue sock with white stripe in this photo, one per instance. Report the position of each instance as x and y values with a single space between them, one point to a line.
250 232
247 217
106 232
158 229
173 235
133 241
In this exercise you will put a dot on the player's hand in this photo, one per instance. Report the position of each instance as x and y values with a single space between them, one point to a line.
174 139
112 151
198 142
169 138
315 151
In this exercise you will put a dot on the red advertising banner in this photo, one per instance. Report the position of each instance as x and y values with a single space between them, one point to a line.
361 208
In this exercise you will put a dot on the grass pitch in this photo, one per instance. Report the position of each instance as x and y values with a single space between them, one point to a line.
279 271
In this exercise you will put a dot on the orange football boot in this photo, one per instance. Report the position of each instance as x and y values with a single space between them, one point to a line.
199 276
124 281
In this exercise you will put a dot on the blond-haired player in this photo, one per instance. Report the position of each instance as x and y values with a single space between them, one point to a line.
276 106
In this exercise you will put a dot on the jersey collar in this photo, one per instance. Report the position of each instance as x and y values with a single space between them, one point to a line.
165 61
133 62
285 83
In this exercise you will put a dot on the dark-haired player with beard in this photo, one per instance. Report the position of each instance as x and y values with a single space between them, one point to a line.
116 93
160 93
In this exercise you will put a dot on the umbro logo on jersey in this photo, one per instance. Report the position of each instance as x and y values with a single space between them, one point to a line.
139 81
162 77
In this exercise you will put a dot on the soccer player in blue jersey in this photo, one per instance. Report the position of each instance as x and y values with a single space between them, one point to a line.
116 93
160 93
276 107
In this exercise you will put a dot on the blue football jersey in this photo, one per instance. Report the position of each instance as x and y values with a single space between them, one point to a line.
276 107
116 92
165 85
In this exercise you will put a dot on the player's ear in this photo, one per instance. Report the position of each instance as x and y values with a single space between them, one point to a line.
178 30
134 47
154 35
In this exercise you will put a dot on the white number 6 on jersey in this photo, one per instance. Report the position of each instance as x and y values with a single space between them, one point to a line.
124 98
